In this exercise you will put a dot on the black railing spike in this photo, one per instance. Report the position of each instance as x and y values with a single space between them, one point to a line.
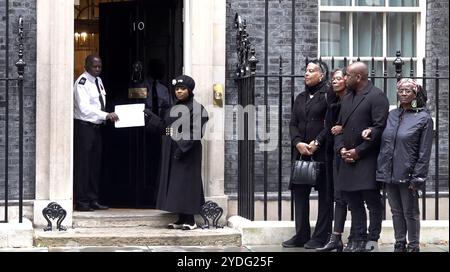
372 72
398 63
253 61
280 60
345 61
358 59
20 64
437 68
411 66
332 63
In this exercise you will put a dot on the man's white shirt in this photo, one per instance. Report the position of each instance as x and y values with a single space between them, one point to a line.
87 105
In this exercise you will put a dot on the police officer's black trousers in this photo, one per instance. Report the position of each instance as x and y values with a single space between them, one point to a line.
87 162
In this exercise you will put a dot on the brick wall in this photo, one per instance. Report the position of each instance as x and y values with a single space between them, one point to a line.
280 45
437 48
27 9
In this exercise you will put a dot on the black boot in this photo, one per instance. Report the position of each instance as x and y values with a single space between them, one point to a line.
335 242
350 246
400 246
360 246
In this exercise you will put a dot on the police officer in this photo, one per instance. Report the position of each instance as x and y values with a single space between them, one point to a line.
89 115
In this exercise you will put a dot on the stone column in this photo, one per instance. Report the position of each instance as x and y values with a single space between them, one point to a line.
54 107
207 18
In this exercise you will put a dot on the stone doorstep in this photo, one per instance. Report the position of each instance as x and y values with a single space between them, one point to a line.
16 235
275 232
137 236
122 218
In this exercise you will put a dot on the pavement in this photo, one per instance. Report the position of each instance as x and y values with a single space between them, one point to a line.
255 248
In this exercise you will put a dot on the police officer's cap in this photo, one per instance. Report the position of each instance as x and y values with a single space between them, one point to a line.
184 81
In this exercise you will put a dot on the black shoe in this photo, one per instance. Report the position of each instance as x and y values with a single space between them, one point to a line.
360 246
413 248
83 208
400 246
335 242
292 243
313 244
350 246
97 206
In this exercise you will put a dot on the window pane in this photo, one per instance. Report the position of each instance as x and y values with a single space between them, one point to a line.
401 31
368 34
335 2
334 65
403 3
370 3
334 34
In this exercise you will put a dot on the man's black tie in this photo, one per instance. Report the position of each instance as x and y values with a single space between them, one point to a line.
154 98
100 97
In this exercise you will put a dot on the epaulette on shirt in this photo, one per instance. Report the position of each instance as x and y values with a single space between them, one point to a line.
82 81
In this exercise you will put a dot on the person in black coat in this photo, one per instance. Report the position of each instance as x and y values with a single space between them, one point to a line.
332 161
182 127
308 137
409 131
364 106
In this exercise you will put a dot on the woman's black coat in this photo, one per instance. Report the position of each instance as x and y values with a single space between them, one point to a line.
307 124
180 180
331 119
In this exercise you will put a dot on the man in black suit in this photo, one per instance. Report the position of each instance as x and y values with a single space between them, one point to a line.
365 106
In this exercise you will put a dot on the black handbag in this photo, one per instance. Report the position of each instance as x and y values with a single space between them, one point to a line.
306 172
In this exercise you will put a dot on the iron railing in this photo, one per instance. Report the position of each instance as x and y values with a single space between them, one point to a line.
245 78
5 104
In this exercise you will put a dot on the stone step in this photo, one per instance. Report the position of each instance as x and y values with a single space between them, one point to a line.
113 218
137 236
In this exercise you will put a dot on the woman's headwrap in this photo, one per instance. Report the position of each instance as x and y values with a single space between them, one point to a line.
408 83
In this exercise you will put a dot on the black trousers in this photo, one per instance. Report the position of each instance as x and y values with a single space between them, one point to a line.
404 204
356 201
87 161
324 216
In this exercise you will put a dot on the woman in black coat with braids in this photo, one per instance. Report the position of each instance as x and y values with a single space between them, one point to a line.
308 137
332 162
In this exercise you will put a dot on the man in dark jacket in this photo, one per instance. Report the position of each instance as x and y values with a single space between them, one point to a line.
364 106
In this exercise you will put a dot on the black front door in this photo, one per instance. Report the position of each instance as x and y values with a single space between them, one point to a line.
129 32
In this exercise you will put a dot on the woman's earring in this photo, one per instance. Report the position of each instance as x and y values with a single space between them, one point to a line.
414 103
398 104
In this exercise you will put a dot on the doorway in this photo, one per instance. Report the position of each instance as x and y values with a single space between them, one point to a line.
131 31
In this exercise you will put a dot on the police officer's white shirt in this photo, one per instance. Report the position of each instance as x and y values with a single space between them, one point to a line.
87 105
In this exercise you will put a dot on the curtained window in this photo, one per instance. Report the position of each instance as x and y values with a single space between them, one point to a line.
373 28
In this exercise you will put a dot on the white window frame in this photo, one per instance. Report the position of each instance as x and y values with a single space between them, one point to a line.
420 31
